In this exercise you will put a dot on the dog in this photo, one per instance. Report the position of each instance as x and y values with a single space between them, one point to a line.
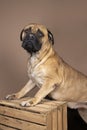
48 71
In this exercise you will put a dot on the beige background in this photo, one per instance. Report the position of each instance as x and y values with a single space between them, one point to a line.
65 18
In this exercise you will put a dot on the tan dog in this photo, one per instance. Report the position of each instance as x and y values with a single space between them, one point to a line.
49 72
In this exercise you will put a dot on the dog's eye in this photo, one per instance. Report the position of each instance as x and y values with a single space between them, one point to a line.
39 33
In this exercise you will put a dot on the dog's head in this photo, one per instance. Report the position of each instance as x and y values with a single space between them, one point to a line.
34 36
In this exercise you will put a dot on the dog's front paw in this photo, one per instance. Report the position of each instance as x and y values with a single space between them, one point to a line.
30 102
11 97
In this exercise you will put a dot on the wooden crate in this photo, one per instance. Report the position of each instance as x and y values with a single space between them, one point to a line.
48 115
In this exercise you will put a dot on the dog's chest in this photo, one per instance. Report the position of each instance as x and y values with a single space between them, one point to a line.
36 73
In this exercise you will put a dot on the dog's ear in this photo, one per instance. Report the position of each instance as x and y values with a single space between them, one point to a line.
21 34
50 36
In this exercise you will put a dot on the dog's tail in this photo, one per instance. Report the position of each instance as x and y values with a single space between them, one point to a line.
83 113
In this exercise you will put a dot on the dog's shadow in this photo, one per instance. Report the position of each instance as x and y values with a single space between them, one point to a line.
75 122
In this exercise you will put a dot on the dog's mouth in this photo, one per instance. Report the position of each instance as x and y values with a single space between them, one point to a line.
31 43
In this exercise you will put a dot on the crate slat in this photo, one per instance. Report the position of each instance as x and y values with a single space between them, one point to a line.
19 124
60 118
24 115
64 117
54 120
49 121
3 127
16 105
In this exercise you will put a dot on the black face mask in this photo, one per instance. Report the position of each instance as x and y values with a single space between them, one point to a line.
31 43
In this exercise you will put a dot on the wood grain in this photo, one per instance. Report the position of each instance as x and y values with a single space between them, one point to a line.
48 115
